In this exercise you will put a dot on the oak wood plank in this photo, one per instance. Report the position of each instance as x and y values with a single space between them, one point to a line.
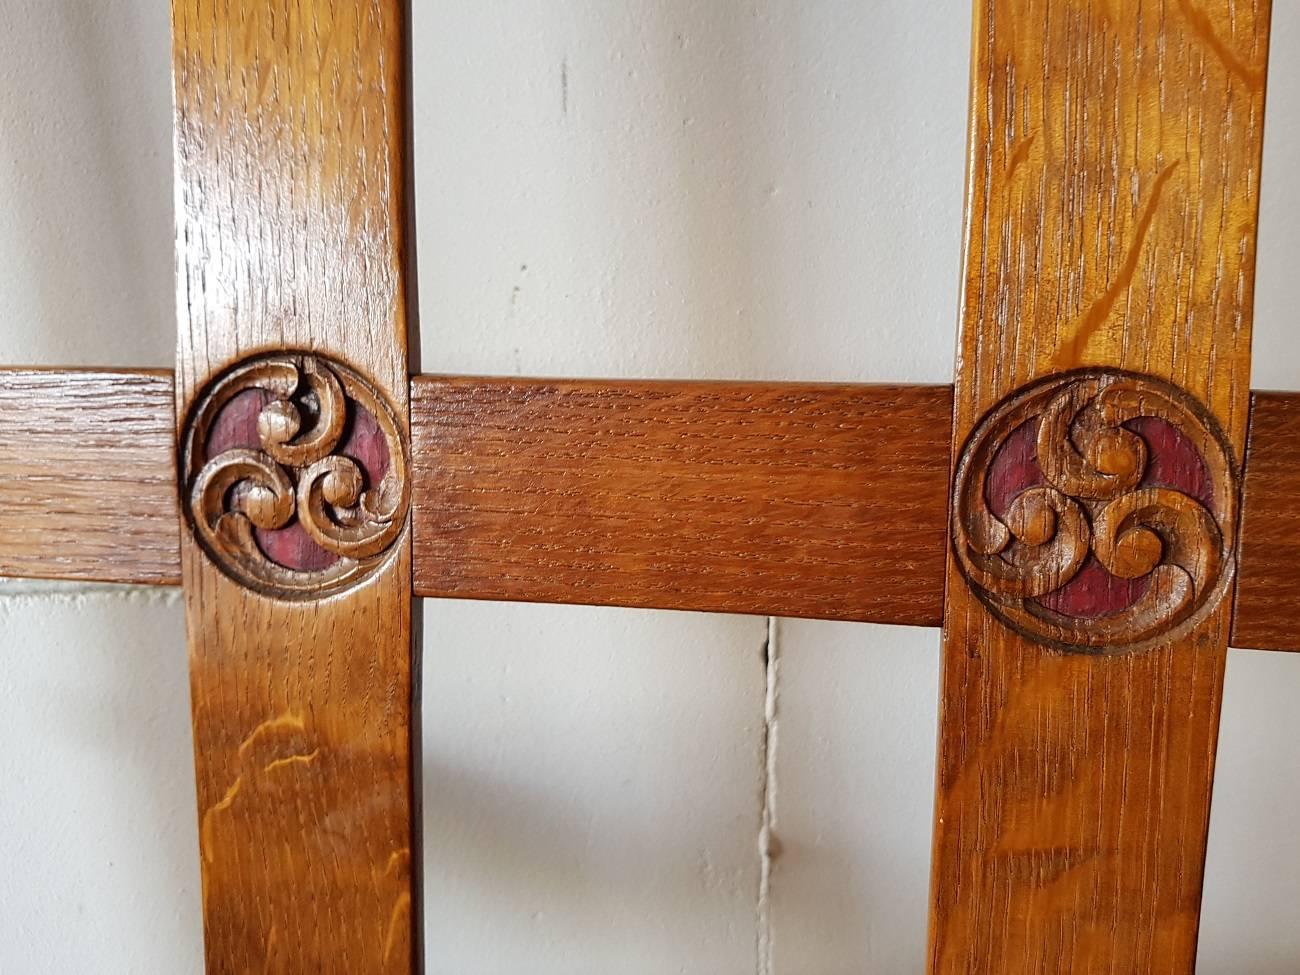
1267 609
289 190
87 478
1110 222
87 492
791 499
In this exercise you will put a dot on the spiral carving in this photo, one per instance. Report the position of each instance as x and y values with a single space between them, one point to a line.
294 475
1095 511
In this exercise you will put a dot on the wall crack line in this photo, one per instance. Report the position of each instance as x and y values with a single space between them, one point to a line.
768 845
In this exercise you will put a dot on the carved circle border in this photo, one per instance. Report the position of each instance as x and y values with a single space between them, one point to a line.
1021 405
272 579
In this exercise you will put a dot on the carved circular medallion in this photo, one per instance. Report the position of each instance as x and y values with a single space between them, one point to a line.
294 473
1095 511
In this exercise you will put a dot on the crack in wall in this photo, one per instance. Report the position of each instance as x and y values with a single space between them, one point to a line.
768 846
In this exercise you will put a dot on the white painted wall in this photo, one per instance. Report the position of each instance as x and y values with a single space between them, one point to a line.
735 189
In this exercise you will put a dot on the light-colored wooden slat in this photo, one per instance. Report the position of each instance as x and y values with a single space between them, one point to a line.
1267 609
803 500
289 200
1110 222
87 479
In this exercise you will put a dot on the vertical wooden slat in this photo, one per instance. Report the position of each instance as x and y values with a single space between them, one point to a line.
289 204
1111 209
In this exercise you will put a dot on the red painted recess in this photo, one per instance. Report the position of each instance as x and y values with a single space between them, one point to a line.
1172 462
362 441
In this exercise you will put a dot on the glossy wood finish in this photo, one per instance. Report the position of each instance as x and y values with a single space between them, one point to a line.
1110 222
798 500
289 144
1267 611
87 480
87 492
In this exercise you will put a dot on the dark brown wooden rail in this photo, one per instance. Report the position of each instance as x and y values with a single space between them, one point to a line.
1267 611
777 499
803 500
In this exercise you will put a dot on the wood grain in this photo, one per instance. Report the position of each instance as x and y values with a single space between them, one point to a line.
1268 582
87 492
87 479
799 500
1111 211
289 167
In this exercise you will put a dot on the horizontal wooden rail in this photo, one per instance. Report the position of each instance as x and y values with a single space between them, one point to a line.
87 476
798 500
786 499
1267 613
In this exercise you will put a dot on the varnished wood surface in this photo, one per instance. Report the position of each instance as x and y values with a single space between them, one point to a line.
87 479
289 144
1267 611
1111 211
791 499
87 492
